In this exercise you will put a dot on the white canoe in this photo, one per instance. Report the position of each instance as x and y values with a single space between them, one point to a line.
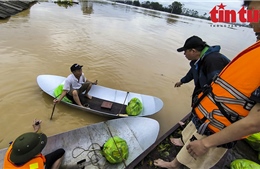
119 98
138 132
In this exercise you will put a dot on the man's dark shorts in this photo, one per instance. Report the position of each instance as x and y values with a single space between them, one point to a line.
84 87
52 157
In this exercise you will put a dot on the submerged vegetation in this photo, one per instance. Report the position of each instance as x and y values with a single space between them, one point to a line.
65 3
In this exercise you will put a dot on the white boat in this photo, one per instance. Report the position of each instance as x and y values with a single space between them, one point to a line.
118 98
138 132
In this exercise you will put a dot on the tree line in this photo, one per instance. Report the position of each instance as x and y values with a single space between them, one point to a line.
175 8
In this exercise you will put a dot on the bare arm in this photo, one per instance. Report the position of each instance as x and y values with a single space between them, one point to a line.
63 94
95 83
37 125
244 127
86 80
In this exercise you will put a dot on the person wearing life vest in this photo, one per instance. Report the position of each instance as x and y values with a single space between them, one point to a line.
25 152
205 61
227 110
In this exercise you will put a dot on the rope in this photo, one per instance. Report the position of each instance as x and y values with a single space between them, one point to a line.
89 150
116 145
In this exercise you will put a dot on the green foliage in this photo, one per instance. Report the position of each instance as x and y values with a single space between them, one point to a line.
153 5
136 3
162 147
65 3
176 7
129 2
156 6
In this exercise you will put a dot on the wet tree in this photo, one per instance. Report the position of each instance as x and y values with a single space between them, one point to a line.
136 3
129 2
156 6
176 7
146 4
153 5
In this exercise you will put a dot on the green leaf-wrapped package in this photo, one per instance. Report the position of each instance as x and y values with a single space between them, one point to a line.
254 141
134 107
115 150
244 164
57 92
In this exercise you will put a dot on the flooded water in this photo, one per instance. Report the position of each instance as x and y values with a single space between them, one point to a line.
126 48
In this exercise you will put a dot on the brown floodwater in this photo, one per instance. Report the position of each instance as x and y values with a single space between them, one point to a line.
126 48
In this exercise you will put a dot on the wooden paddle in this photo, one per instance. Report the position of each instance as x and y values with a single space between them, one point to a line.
122 115
54 107
53 110
119 113
58 96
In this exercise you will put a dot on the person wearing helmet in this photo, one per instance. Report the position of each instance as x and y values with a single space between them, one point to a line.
25 152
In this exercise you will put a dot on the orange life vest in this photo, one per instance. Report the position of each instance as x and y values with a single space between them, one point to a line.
226 100
36 163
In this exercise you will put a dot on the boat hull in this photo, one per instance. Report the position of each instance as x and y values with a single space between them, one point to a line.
138 132
118 98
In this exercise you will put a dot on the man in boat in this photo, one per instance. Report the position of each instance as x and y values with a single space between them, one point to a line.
228 110
25 152
205 61
75 84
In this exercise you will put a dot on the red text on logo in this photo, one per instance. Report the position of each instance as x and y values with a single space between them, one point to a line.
219 14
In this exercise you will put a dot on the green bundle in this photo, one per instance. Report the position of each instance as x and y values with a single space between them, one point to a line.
115 150
134 107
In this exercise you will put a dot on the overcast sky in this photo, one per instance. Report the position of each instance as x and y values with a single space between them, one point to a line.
203 6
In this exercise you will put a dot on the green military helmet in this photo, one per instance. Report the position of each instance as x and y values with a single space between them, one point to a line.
26 146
